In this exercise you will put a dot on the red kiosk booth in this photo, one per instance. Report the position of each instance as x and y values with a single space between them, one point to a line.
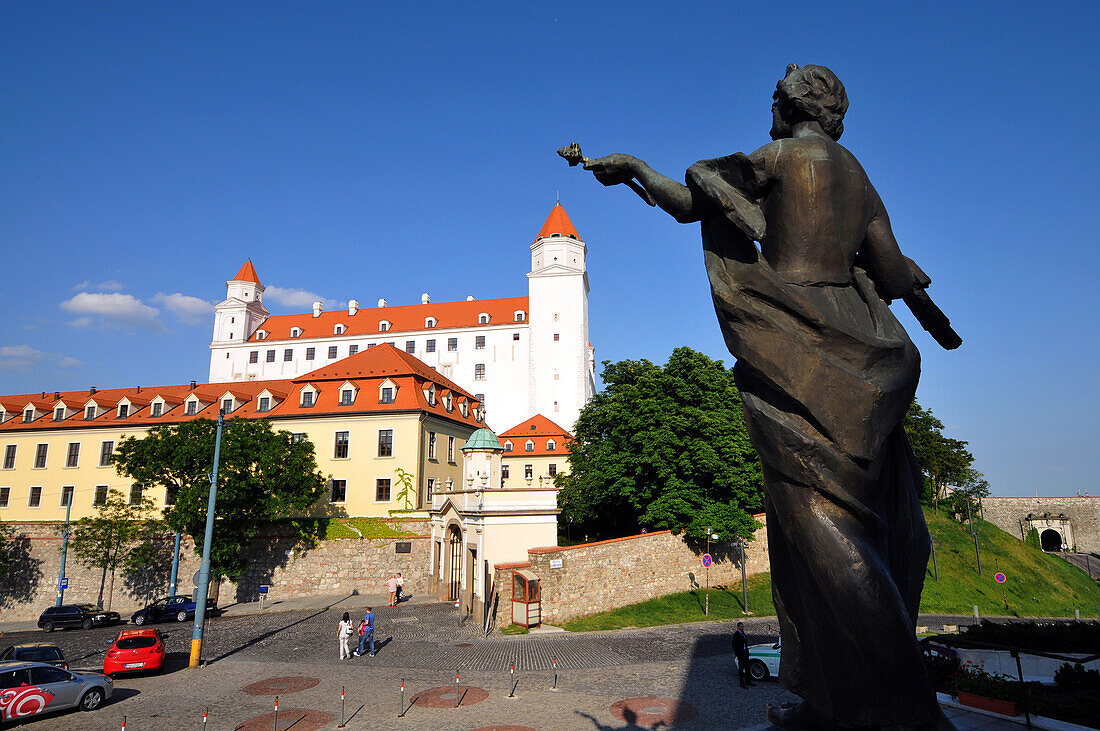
526 599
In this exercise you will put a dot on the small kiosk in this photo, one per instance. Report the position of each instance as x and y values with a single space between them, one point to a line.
526 599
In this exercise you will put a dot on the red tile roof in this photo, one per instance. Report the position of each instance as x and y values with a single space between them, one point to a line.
402 318
367 369
538 429
247 273
558 223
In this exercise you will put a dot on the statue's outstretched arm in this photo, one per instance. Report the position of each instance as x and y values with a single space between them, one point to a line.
675 198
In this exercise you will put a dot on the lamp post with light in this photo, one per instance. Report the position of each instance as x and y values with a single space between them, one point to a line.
706 604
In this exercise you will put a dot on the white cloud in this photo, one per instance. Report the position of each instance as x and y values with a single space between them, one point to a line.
24 357
81 323
111 285
189 310
118 310
298 298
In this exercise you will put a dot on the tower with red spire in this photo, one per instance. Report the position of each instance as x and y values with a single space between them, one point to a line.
236 318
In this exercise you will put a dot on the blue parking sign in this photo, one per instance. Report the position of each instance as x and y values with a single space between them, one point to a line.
64 583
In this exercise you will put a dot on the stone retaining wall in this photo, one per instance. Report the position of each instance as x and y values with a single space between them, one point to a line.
1083 513
344 566
596 577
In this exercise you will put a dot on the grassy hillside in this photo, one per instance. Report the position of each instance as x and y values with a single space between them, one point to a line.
1038 584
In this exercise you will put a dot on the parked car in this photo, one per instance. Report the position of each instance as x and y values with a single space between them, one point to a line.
36 652
35 688
76 615
135 650
764 660
179 608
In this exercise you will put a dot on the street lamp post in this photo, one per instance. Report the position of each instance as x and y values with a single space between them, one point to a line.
64 553
977 551
706 605
204 568
744 581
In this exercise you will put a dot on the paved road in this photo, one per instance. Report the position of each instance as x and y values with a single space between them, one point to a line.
426 644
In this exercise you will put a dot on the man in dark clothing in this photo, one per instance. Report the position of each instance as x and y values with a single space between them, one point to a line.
741 650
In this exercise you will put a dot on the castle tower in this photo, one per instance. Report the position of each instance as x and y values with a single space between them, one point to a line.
238 316
561 369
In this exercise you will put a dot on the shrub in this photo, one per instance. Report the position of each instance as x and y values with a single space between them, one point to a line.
1075 677
1033 538
1081 637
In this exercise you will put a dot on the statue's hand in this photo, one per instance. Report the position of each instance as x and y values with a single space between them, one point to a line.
613 169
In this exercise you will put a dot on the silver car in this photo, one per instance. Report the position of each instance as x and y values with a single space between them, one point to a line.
35 688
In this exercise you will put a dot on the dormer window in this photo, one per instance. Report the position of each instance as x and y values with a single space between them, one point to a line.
295 332
192 407
347 397
508 446
264 405
464 409
529 446
429 322
520 316
59 413
429 393
384 326
386 396
551 445
261 334
483 318
28 416
123 411
307 399
227 405
89 412
339 330
157 409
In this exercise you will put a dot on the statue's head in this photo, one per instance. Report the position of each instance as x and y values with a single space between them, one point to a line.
809 93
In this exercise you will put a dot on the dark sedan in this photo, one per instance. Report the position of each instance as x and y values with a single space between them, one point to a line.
178 608
76 615
36 652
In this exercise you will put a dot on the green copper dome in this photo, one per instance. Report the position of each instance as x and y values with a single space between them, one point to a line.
483 439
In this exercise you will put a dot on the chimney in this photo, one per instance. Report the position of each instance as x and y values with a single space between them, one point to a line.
425 299
193 384
139 389
353 307
317 309
56 396
469 298
43 395
382 302
91 391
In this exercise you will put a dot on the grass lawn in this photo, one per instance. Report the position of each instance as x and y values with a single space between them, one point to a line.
330 528
1038 585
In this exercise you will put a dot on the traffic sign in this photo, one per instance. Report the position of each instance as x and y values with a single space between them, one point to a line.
1000 578
262 589
65 583
706 559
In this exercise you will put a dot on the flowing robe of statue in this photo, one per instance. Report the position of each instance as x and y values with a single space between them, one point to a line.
826 374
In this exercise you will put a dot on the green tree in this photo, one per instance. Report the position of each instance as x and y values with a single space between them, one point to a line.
943 461
115 538
7 534
969 494
663 448
263 476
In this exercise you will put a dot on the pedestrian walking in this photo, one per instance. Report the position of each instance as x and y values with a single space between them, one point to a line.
343 632
400 588
391 587
366 634
741 650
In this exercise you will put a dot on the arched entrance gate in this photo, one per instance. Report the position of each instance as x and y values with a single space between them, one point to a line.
454 563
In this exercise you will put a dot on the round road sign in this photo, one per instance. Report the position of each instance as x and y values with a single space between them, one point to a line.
706 559
1000 578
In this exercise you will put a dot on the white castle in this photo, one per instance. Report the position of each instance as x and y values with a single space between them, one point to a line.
520 355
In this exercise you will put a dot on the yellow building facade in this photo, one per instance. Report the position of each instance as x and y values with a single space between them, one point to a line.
370 417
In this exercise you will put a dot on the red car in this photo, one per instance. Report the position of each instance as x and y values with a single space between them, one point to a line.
135 650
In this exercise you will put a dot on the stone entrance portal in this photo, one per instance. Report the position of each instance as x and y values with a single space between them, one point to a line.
1051 540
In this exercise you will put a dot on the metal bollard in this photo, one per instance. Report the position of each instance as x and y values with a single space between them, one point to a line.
976 612
204 715
341 707
456 689
275 723
402 709
555 685
124 723
1077 612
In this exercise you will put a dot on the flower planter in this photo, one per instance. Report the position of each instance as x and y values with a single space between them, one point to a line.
1005 708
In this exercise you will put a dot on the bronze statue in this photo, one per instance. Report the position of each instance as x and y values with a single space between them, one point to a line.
826 373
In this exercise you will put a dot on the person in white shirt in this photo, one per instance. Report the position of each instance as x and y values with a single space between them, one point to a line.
343 633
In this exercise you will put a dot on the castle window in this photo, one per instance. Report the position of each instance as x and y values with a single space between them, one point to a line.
353 349
429 322
59 413
295 332
270 356
451 449
520 316
431 445
158 408
429 347
479 372
339 491
483 318
529 446
504 472
100 497
311 353
387 396
72 459
385 443
254 356
515 336
384 326
227 405
382 490
452 343
41 451
261 334
192 408
89 413
507 446
9 457
528 471
34 500
123 411
410 346
347 397
28 416
265 404
552 469
332 351
106 449
307 399
480 397
556 337
340 451
551 445
338 330
137 491
479 342
288 355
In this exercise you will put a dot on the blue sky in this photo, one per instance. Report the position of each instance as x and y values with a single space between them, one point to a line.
362 152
